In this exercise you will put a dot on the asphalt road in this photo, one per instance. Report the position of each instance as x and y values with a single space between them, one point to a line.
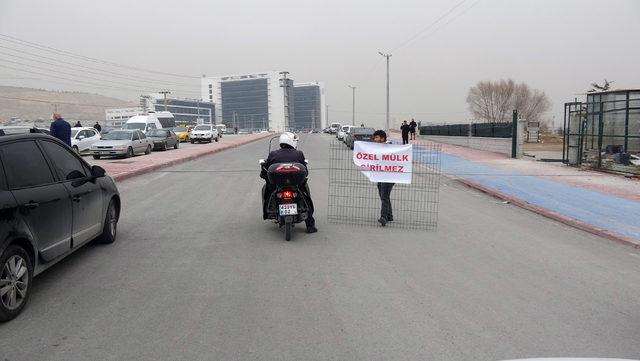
197 275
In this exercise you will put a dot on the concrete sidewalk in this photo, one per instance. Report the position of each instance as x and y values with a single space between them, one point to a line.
600 203
120 169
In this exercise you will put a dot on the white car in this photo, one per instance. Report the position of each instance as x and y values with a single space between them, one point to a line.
343 131
82 138
204 133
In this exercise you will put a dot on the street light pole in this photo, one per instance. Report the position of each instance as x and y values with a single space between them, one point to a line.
387 56
353 111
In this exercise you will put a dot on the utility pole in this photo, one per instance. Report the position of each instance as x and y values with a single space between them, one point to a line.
387 56
353 109
165 92
285 83
326 106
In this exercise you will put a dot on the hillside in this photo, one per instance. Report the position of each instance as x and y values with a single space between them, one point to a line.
37 104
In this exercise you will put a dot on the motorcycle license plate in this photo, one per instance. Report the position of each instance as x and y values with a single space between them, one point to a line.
288 209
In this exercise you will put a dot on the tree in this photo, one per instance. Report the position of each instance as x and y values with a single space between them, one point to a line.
494 101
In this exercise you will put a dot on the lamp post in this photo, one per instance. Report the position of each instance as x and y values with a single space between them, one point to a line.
387 56
353 111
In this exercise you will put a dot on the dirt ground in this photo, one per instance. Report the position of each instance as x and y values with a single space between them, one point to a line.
548 142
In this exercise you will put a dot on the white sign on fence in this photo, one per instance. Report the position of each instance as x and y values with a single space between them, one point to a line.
388 163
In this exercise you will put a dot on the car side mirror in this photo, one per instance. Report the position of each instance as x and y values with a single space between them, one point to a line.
97 171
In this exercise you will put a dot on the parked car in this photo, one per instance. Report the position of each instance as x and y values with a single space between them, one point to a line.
122 143
52 202
182 133
334 128
359 134
83 138
245 131
163 139
342 131
204 133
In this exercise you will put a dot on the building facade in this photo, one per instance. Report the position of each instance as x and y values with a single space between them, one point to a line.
118 116
251 101
186 111
309 106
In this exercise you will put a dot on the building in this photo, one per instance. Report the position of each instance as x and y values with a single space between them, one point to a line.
251 101
185 111
309 106
604 131
118 116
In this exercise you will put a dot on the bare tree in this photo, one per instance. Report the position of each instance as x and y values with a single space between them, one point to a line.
494 101
595 87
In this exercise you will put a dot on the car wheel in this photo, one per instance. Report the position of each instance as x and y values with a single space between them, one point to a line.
192 141
217 139
96 157
164 146
148 150
110 228
177 145
16 274
129 153
75 149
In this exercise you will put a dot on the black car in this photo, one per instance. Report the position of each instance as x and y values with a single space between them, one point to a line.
51 203
163 139
358 134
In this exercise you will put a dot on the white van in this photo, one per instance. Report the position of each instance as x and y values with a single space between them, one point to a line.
143 122
166 119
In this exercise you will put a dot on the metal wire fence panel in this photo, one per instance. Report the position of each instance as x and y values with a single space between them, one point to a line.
354 200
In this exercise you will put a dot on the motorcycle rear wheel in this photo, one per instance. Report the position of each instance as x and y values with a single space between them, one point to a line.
288 224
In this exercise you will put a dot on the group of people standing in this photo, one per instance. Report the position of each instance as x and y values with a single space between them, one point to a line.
408 131
61 129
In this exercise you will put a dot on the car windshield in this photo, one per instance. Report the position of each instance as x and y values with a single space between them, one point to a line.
179 129
362 131
74 132
138 126
203 127
157 133
118 135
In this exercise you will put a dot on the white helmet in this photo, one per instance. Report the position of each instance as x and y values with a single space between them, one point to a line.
289 139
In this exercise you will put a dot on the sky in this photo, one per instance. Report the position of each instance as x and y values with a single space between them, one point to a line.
440 48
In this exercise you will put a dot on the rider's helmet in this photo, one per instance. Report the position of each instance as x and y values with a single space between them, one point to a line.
289 139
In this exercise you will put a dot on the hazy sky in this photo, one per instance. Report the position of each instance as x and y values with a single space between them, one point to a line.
559 46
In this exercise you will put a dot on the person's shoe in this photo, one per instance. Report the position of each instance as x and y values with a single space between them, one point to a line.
390 219
312 229
382 221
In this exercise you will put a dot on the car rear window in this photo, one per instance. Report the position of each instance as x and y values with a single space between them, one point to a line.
25 165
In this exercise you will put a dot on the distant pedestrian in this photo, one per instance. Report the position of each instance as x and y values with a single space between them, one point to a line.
384 189
235 130
61 129
412 129
97 127
78 125
405 128
362 125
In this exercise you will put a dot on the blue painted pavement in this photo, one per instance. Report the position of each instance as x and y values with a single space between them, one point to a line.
601 210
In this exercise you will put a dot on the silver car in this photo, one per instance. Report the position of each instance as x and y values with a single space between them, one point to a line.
122 143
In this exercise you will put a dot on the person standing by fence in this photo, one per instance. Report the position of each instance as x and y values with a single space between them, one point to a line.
412 129
405 129
384 189
61 129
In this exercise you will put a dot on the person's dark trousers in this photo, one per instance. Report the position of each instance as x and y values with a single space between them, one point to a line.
384 190
267 189
310 221
413 135
405 138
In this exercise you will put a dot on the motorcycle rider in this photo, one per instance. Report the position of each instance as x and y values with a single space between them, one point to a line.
287 153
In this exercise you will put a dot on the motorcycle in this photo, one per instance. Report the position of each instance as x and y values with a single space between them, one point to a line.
287 204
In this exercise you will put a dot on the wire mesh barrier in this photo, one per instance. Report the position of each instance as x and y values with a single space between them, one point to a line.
355 200
492 130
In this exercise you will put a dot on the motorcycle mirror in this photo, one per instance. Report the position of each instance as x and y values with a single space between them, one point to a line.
261 161
306 161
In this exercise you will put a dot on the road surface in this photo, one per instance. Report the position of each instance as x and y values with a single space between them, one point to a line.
197 275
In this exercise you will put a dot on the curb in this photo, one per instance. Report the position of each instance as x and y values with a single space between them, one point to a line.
154 167
550 214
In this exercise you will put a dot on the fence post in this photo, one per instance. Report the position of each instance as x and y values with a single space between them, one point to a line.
514 135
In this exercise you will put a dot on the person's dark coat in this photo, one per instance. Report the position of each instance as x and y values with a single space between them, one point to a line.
405 128
61 129
283 155
78 124
97 127
413 126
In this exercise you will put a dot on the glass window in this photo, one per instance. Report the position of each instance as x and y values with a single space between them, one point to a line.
3 182
142 135
25 165
64 162
136 136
